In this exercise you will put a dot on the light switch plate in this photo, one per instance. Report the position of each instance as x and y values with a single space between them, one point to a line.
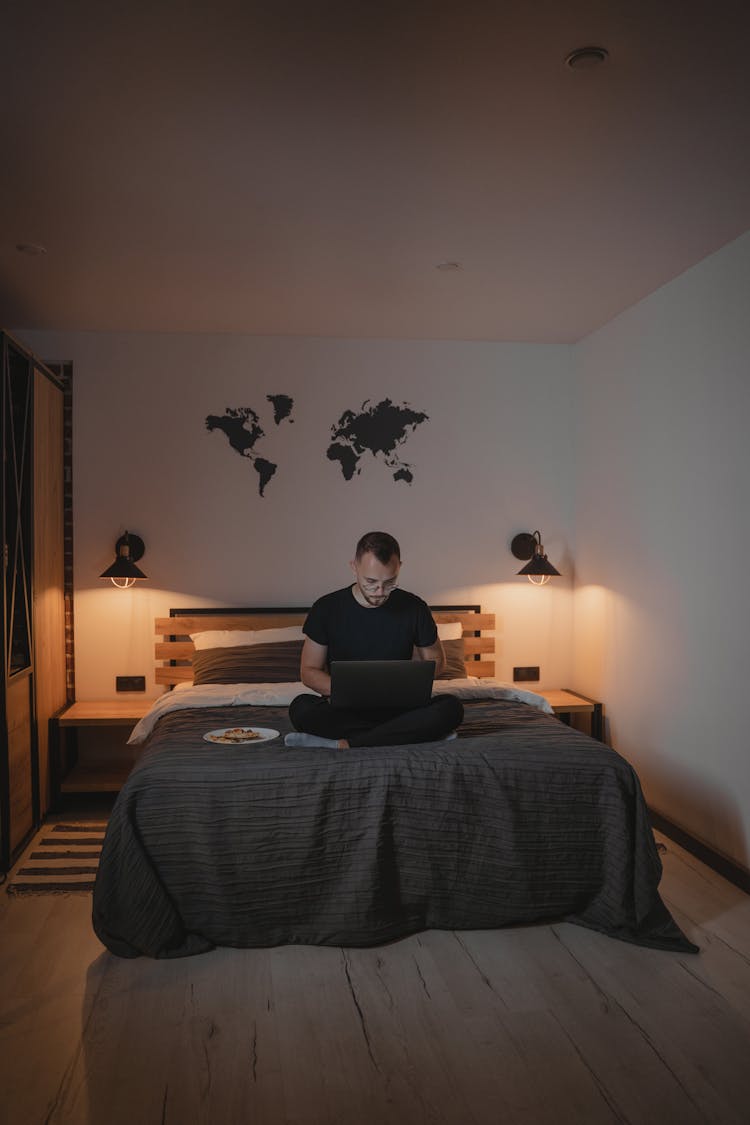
130 683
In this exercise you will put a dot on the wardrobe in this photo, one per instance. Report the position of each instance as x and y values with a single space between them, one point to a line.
33 606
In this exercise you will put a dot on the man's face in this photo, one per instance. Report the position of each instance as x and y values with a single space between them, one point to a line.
376 580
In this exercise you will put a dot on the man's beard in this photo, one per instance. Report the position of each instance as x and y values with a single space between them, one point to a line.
372 600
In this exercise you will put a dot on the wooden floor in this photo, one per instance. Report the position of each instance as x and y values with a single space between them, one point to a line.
550 1024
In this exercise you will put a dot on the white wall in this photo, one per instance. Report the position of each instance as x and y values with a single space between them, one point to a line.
662 482
494 458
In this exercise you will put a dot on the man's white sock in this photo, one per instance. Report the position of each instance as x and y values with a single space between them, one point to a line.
299 738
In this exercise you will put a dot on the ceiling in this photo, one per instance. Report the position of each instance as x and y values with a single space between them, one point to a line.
301 168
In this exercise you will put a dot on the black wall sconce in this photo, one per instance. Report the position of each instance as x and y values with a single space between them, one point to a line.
539 569
123 572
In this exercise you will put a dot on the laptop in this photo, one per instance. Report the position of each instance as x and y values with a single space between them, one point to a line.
382 683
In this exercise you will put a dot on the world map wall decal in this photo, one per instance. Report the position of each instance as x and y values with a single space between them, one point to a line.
380 429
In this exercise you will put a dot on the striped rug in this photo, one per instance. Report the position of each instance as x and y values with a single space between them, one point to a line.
62 859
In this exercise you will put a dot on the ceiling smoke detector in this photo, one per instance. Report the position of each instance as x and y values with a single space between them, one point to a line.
585 57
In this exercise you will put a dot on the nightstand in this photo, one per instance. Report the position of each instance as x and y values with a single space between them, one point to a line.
566 703
69 775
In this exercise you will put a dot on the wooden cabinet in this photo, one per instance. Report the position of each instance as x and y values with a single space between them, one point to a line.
20 762
48 602
32 680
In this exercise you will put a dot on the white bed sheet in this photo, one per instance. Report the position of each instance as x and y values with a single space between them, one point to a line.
281 695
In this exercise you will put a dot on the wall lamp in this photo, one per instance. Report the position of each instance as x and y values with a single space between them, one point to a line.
123 571
538 569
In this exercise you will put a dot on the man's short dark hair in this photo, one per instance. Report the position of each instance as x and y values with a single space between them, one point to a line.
380 544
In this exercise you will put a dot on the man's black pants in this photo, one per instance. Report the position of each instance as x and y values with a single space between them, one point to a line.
382 726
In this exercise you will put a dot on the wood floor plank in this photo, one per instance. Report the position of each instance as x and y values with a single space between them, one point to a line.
609 1043
228 1042
42 1001
38 1045
498 1053
709 900
409 1054
482 1057
22 924
720 967
697 1035
315 1001
125 1041
178 1041
536 1074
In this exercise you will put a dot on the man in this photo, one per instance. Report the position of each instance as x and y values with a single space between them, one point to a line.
370 620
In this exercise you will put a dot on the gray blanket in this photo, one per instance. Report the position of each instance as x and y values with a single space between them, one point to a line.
519 820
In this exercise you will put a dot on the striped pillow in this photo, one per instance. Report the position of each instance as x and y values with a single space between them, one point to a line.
249 664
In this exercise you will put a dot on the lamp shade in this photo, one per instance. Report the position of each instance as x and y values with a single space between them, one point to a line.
123 572
540 565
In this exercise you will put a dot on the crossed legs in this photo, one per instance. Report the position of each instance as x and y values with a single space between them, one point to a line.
313 715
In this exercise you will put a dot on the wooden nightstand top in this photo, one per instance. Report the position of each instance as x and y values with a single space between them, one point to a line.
567 702
104 712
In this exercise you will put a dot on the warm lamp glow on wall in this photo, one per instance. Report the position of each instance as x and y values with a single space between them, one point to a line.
123 572
538 569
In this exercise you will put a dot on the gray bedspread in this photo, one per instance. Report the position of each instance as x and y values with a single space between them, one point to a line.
520 820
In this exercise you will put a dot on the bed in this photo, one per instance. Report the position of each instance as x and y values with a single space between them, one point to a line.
519 820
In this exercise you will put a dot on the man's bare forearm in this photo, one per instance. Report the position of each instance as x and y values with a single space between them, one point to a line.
434 652
317 679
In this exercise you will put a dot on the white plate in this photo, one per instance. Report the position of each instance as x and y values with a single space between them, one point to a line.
264 734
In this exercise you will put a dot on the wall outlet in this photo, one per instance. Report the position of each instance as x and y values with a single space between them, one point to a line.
130 683
523 675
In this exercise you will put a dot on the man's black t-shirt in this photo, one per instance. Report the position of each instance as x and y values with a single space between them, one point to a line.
385 632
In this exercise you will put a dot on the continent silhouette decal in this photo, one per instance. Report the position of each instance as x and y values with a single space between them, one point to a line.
380 430
242 429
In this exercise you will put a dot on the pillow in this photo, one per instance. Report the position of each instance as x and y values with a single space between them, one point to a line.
455 668
231 638
450 630
255 663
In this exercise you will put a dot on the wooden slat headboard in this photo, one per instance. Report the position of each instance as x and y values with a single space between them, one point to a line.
176 648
